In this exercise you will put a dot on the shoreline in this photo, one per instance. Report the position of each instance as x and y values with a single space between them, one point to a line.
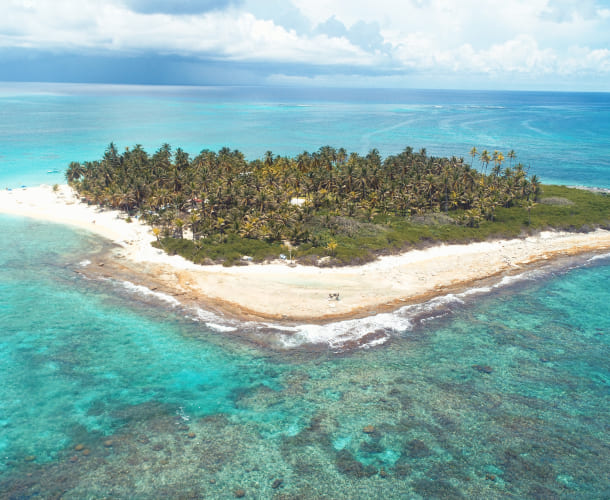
276 291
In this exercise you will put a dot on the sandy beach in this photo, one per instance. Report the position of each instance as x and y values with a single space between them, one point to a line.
299 293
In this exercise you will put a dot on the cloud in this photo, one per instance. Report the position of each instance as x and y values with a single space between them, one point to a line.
495 41
229 34
281 12
362 34
565 11
332 27
515 58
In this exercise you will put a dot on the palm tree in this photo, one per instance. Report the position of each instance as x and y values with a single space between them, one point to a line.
485 159
268 158
535 187
194 223
473 154
331 246
74 172
498 159
252 198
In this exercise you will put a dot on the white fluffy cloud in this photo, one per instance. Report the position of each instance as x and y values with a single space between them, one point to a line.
103 25
532 38
508 36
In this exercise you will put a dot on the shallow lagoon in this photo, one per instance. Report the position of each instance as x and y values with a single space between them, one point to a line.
506 395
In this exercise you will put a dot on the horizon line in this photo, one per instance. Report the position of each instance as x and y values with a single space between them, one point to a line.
295 86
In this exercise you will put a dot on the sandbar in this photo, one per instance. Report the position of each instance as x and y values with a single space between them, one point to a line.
279 291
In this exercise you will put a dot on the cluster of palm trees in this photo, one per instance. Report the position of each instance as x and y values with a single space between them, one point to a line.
282 198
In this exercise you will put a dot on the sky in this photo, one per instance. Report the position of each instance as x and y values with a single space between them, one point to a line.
439 44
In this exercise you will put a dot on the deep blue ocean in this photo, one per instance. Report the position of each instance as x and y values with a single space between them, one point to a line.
110 392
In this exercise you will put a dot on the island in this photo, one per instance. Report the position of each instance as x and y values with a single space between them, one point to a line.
319 236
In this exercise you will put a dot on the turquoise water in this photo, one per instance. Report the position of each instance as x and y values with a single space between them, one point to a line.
503 394
563 137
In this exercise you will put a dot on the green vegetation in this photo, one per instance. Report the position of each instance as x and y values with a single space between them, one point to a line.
327 207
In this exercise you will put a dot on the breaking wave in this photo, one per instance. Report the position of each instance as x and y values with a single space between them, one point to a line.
343 335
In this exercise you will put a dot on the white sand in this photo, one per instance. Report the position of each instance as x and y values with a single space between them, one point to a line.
301 292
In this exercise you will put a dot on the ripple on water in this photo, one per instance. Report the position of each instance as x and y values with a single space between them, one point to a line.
192 412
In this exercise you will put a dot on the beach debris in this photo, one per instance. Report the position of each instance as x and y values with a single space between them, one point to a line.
483 368
277 483
333 296
283 256
246 258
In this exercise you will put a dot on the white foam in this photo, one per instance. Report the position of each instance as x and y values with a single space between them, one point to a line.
220 328
210 319
514 278
340 333
474 291
84 263
375 342
599 257
434 304
128 285
364 333
214 321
